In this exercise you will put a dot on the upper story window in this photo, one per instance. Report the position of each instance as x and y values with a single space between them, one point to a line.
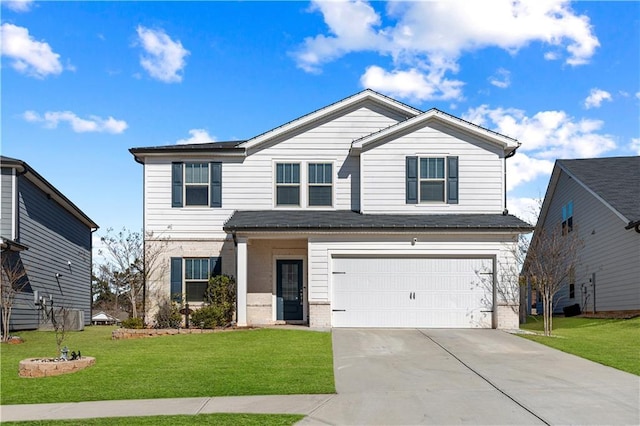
432 183
196 184
320 184
432 180
287 184
567 218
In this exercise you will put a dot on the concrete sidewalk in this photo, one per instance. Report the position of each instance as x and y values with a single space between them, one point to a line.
268 404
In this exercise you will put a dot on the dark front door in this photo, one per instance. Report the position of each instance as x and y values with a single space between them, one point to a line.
289 289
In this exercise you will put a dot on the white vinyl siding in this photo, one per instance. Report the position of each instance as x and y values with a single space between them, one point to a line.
480 173
249 183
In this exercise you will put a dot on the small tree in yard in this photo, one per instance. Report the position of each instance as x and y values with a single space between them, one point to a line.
220 302
130 261
13 279
551 258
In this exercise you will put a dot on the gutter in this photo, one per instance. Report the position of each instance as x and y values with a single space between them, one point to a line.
633 224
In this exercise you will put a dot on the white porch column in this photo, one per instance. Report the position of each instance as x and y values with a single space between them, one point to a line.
241 250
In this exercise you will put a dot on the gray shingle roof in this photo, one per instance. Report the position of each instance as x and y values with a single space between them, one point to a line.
313 220
615 179
194 147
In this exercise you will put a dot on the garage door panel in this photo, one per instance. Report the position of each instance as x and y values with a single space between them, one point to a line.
414 292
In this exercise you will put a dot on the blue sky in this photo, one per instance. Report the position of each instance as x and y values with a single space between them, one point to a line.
82 82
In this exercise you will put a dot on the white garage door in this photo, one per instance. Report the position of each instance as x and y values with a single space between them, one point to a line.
415 292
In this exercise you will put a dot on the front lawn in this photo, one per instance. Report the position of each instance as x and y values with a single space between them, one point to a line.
612 342
245 362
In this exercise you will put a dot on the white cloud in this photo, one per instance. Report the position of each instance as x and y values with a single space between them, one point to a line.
525 208
19 6
596 97
163 58
197 136
523 168
79 125
351 27
29 56
634 145
638 95
546 134
427 38
501 79
412 84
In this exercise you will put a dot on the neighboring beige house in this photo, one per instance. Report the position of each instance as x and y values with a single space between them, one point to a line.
365 213
599 199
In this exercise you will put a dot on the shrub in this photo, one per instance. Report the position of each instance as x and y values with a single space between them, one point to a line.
168 315
219 303
133 323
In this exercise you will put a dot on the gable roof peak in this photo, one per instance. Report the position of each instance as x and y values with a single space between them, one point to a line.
343 104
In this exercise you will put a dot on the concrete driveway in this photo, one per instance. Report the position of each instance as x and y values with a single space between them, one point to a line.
407 377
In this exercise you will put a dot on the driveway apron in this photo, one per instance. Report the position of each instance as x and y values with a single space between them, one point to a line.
406 377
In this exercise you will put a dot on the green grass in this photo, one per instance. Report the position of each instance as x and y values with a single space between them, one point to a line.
612 342
200 419
246 362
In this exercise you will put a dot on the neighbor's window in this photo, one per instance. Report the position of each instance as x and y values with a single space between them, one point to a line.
320 184
432 180
567 218
196 184
287 184
572 283
196 278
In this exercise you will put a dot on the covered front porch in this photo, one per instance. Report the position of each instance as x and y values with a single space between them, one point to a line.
271 279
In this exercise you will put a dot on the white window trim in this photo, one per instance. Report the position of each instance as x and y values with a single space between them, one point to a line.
332 184
184 279
185 184
299 185
443 180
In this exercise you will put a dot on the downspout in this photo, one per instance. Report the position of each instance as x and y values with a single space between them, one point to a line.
144 244
509 155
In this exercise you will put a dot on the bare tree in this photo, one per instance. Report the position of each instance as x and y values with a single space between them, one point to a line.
130 260
13 280
123 253
551 259
60 321
506 278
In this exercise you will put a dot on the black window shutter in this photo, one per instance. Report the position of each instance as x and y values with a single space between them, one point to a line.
176 279
216 185
452 180
176 184
412 180
215 266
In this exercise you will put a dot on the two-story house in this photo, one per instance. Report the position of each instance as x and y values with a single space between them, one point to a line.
365 213
46 246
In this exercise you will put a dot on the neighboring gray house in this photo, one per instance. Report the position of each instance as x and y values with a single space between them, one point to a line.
50 237
598 198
